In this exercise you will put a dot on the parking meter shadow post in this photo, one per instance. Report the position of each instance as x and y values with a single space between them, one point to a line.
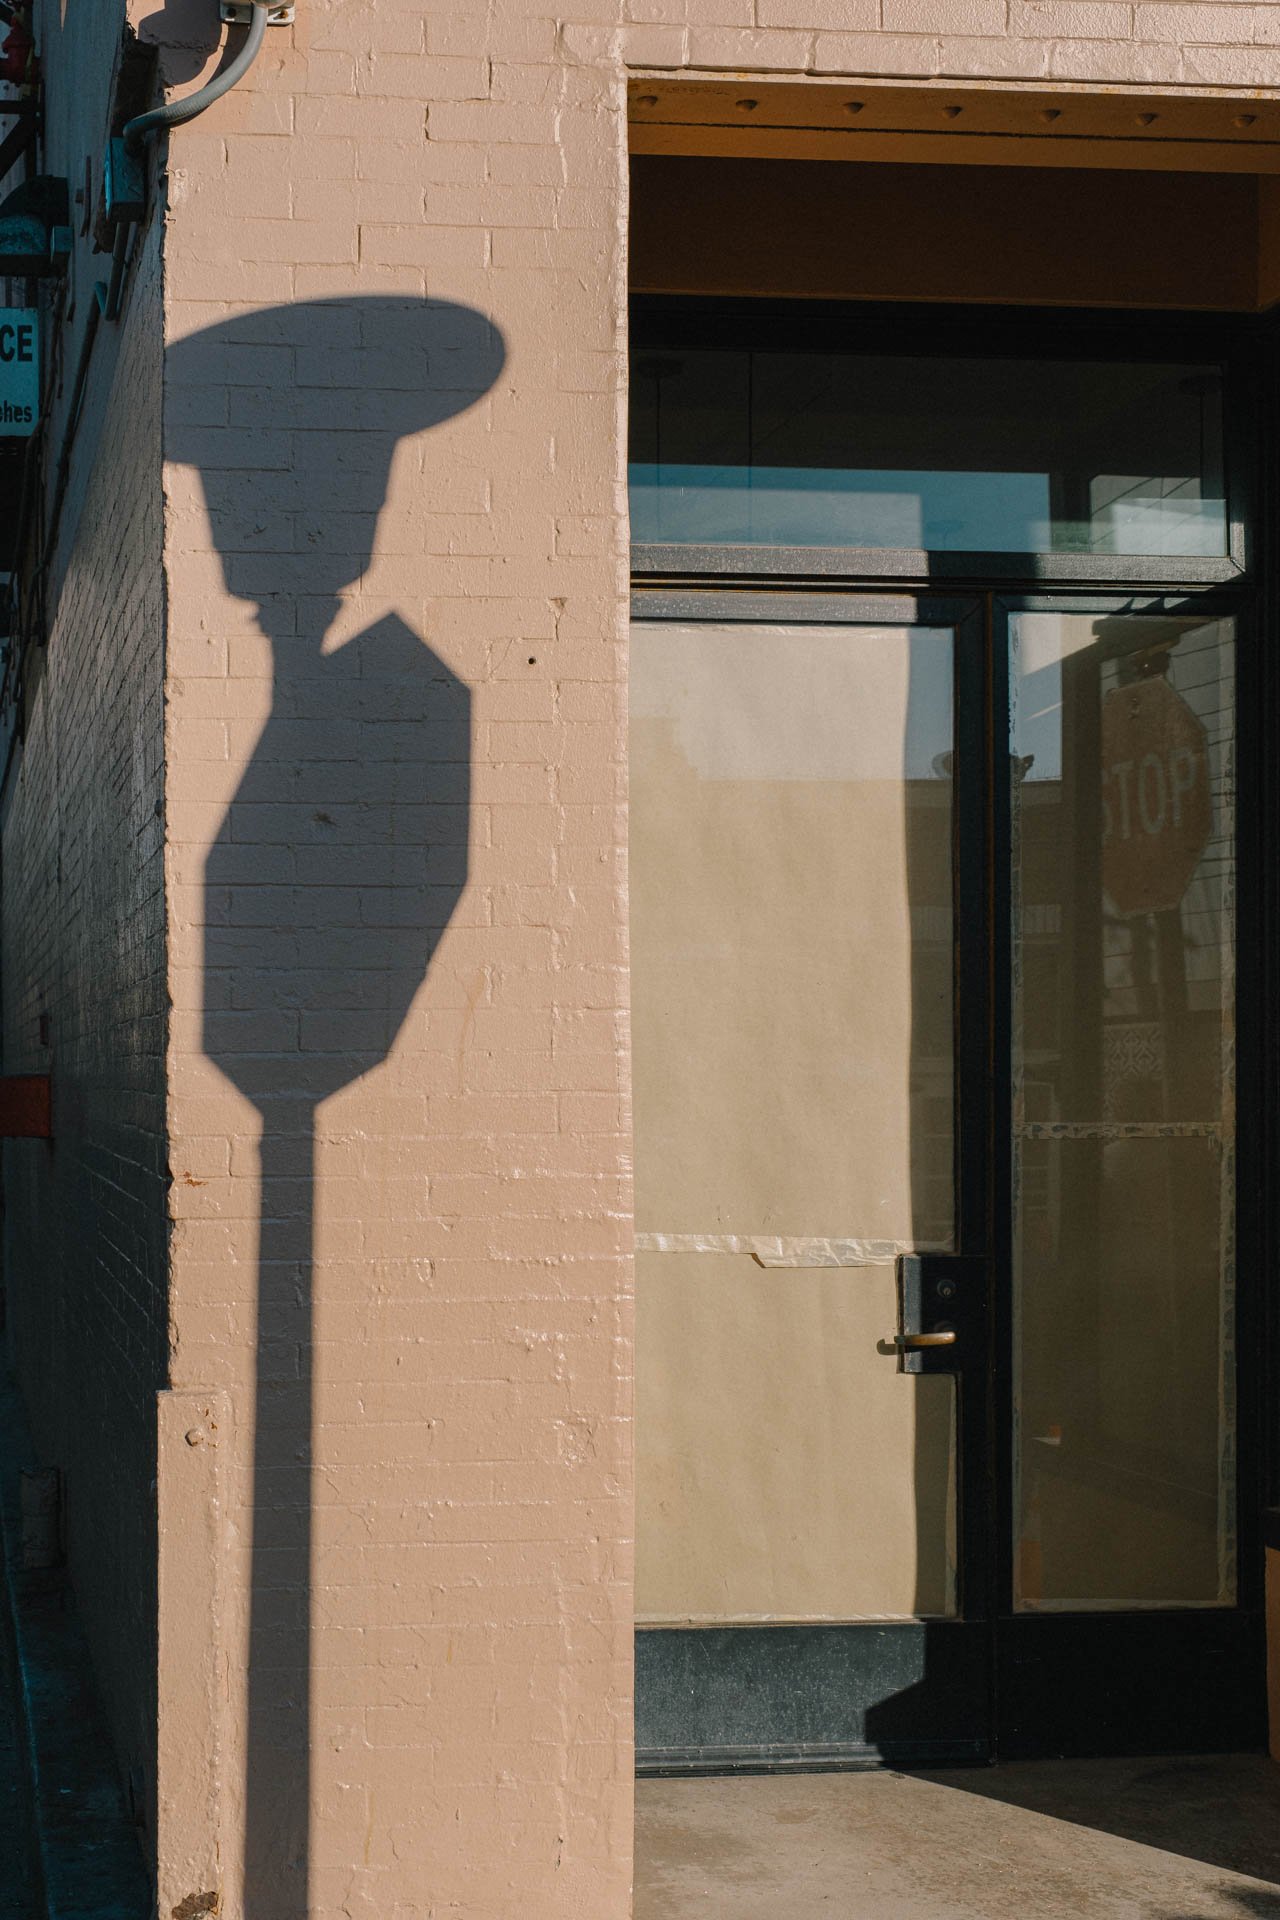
337 867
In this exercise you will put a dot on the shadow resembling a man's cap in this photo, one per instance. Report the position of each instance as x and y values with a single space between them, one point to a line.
303 406
435 356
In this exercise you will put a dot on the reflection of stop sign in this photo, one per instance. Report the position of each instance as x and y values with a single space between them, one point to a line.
1157 810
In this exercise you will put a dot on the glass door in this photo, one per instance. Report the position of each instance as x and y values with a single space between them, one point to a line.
934 953
1123 1463
807 951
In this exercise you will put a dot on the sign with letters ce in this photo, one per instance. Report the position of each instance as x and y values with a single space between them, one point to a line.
19 371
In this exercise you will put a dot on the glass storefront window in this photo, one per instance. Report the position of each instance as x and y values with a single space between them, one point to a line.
784 449
792 829
1123 772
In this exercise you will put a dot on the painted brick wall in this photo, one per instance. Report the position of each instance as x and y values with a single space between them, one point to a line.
456 1358
439 1357
82 925
1203 44
394 739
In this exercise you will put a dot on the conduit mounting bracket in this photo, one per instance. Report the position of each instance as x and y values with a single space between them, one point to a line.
239 12
35 228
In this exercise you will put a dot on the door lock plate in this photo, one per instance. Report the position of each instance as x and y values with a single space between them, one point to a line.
941 1312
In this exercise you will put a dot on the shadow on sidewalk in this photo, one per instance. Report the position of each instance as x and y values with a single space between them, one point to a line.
1222 1809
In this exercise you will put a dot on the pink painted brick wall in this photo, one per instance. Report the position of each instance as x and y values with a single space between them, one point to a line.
462 1337
1153 43
393 739
465 1343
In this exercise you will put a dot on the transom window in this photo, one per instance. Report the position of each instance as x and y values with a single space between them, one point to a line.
768 447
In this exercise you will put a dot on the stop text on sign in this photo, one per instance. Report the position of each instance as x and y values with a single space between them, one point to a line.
19 371
1148 797
1157 806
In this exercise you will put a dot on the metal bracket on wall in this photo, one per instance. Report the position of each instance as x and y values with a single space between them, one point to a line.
239 14
124 186
35 228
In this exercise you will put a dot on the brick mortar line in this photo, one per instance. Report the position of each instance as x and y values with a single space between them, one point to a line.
918 81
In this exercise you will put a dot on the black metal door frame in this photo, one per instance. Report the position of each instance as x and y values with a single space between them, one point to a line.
991 1681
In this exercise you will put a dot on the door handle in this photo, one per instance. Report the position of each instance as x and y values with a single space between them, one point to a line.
941 1312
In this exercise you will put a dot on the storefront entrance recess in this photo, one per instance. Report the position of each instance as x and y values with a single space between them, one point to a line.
939 880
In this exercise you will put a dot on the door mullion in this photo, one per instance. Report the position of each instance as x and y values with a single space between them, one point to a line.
999 843
972 1003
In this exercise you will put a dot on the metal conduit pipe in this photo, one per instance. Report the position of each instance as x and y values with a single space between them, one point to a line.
106 300
176 113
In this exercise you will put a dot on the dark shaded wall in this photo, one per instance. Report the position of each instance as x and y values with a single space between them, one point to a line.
84 999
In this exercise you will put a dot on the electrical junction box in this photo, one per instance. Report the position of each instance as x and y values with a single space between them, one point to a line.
124 185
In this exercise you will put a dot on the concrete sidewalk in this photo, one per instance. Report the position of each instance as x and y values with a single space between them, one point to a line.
1172 1839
